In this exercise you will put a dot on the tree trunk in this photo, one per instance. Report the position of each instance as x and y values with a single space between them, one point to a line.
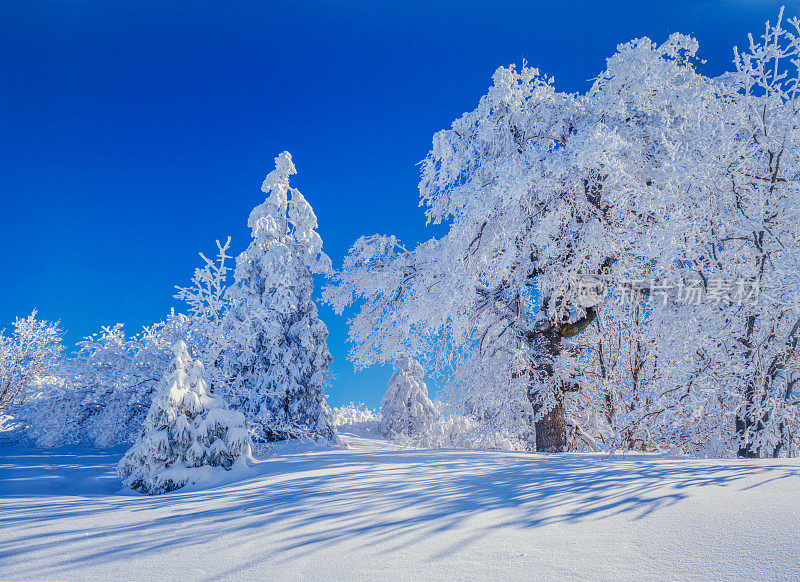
744 418
551 430
744 422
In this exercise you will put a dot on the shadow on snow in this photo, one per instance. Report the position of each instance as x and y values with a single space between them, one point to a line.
387 500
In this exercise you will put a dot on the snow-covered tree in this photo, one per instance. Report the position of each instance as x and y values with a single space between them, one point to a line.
123 376
208 304
355 414
758 235
520 182
31 352
729 148
275 354
657 175
104 392
189 435
65 412
407 412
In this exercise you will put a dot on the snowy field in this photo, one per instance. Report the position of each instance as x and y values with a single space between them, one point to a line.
374 511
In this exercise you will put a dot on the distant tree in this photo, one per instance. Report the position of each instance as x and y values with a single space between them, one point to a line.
274 353
93 380
122 393
189 434
407 412
31 352
104 392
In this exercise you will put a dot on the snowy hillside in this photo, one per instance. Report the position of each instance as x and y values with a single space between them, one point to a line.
375 511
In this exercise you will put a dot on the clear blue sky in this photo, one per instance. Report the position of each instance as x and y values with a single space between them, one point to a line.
134 134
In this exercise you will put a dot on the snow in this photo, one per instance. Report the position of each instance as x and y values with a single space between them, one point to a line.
372 510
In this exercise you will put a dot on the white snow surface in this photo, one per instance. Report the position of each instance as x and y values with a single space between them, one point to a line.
374 511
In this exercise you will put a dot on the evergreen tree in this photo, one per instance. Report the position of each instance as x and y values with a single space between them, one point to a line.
189 434
275 351
406 411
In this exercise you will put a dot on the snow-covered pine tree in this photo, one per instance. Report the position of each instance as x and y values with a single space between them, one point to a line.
189 434
406 411
275 351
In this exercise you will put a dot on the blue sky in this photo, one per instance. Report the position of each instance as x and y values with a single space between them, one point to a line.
134 134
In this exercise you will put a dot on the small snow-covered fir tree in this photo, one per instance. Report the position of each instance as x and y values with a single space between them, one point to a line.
275 351
406 411
189 434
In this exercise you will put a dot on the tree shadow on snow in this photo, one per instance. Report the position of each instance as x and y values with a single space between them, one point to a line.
385 500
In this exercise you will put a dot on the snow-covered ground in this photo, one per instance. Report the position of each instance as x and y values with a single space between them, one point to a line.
374 511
